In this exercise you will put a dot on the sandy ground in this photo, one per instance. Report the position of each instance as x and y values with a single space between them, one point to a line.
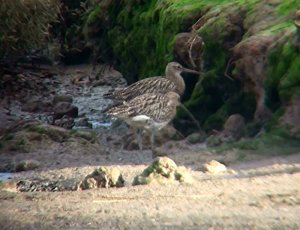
261 194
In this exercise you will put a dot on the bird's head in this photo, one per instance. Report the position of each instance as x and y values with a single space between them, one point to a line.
174 68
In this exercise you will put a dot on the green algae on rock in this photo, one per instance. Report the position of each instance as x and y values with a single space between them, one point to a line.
102 177
163 170
139 37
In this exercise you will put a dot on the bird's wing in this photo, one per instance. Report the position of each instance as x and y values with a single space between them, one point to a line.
148 104
143 104
148 85
152 106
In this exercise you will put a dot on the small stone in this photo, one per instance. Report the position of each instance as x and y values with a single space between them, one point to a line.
36 105
31 105
102 178
83 122
65 122
213 140
195 138
234 127
60 98
214 167
7 78
64 108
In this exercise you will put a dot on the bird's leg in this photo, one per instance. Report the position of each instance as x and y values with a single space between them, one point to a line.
139 134
153 142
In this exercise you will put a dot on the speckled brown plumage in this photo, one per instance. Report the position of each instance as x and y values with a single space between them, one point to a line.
171 82
158 107
148 111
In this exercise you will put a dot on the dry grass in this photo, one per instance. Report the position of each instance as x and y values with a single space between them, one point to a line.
24 24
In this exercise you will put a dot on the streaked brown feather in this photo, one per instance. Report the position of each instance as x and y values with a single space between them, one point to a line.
155 106
148 85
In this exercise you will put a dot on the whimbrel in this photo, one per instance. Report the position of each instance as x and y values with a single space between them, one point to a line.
171 82
148 111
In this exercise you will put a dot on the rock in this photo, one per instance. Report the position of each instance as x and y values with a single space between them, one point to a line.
291 116
164 135
64 108
297 24
65 122
214 167
163 170
6 121
27 165
83 122
107 75
81 79
250 61
90 136
213 140
189 50
31 106
196 138
132 145
62 98
262 114
39 186
234 127
55 133
36 105
102 178
7 78
33 136
161 151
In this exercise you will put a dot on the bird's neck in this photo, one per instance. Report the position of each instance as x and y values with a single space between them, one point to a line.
178 80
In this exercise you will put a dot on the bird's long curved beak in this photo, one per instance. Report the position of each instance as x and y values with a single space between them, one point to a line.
186 70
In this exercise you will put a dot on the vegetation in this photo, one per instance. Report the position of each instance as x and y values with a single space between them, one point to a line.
24 25
138 37
276 141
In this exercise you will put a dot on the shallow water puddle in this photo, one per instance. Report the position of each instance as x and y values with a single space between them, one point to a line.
5 176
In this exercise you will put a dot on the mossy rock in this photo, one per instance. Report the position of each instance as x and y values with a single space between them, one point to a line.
283 79
102 177
53 132
163 170
89 136
18 142
272 142
141 36
139 39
